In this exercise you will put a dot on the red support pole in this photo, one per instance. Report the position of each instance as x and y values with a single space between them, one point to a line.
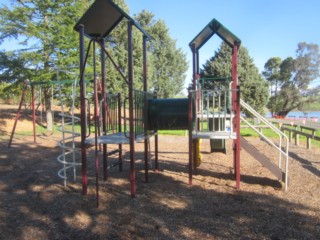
194 66
82 84
96 123
145 110
131 115
33 115
156 151
19 111
120 130
236 109
104 107
190 138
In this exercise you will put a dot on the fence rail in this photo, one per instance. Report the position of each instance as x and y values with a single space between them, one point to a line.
295 133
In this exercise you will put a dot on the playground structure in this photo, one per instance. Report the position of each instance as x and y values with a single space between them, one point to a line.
100 19
222 103
208 113
211 111
36 103
69 157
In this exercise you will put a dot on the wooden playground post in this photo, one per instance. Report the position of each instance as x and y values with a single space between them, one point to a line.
19 111
145 111
83 111
33 114
236 108
131 115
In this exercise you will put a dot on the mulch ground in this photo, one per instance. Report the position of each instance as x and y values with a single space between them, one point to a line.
36 205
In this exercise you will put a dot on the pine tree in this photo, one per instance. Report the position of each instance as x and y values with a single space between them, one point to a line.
254 89
168 64
293 78
46 41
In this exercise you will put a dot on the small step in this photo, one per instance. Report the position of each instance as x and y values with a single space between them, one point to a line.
265 161
214 135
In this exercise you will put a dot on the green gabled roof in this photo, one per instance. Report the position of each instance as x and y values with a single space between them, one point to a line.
215 27
102 17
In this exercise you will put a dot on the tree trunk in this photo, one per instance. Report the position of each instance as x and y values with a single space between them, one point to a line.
282 114
48 108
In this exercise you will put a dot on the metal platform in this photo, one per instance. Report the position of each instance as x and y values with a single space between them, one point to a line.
116 138
210 115
214 135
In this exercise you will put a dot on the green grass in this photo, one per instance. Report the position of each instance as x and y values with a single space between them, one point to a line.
41 129
248 132
271 134
173 132
243 131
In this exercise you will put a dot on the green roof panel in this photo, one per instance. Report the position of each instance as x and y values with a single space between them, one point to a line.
214 27
102 17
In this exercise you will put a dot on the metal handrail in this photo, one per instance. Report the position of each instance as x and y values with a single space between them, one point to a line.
210 104
276 130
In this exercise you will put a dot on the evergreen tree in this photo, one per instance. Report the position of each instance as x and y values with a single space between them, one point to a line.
43 29
254 89
168 64
293 79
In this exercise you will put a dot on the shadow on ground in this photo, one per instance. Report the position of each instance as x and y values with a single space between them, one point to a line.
35 205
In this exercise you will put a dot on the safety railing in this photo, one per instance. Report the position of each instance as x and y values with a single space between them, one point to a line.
212 110
70 152
112 113
140 101
283 150
70 156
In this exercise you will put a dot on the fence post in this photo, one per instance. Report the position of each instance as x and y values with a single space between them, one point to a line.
308 143
290 136
296 140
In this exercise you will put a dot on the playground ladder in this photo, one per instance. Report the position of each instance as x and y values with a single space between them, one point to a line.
280 171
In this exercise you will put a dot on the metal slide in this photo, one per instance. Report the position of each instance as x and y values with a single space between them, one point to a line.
282 146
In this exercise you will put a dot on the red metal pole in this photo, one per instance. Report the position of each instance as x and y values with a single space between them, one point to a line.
96 122
104 107
19 111
145 110
194 66
120 130
190 138
83 112
33 115
236 109
156 151
131 115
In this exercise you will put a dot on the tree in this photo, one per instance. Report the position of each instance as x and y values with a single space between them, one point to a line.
294 77
272 74
43 30
168 64
254 89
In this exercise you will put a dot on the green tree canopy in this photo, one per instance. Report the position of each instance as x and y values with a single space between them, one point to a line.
167 62
43 31
291 79
254 89
46 41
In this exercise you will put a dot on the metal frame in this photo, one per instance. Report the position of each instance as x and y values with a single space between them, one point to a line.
89 18
24 92
215 27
